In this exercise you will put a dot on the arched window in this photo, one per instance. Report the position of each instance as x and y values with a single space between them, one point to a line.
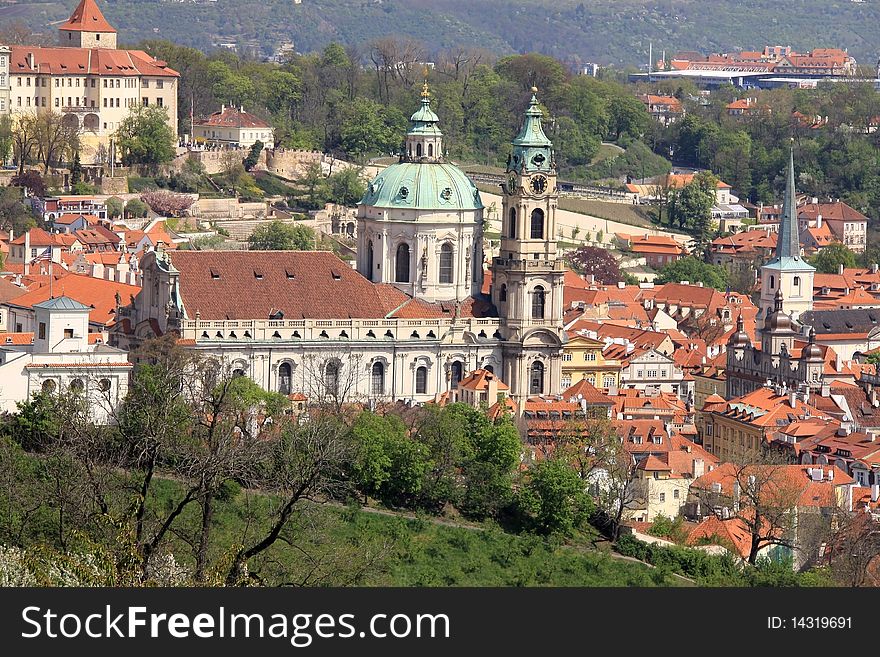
285 376
77 386
430 150
401 269
538 298
457 373
489 368
536 378
537 224
421 380
370 260
331 377
446 263
49 386
418 150
237 372
772 282
512 224
377 379
502 293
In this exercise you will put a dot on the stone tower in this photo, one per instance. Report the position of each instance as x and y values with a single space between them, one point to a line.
787 272
527 276
87 28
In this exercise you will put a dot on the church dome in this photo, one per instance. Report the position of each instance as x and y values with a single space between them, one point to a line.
740 338
423 186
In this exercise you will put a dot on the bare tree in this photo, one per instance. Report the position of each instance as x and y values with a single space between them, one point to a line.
24 139
54 138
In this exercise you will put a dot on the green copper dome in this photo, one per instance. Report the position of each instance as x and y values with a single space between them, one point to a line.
427 186
424 121
532 150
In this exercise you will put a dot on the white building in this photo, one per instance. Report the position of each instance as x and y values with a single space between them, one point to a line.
62 356
234 127
411 321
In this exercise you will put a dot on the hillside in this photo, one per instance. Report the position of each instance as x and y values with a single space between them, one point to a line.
573 30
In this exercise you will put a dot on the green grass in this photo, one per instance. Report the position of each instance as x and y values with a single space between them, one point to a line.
606 152
346 545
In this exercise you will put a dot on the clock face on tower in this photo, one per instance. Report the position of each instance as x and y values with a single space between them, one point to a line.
511 184
538 184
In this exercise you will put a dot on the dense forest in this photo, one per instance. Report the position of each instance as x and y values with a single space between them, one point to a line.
576 31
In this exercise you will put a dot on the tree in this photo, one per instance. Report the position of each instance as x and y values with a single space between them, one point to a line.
75 170
829 259
281 236
853 548
315 185
167 204
253 155
144 136
597 262
694 271
691 207
346 187
365 126
554 499
115 207
54 138
14 214
24 139
6 138
32 181
136 208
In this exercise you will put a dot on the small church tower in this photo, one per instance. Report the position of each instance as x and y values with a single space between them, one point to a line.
87 28
787 272
527 275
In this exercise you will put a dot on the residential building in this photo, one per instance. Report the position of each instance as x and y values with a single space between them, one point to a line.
666 110
847 225
234 128
5 55
481 389
654 371
53 207
583 360
87 80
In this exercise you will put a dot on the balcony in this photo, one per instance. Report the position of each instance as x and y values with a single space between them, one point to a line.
515 263
79 109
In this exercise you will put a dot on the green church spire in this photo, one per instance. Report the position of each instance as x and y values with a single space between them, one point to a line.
532 150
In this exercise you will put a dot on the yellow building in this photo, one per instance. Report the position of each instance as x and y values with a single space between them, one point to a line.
583 359
88 81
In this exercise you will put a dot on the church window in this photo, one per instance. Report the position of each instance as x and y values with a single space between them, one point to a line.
772 282
77 386
502 293
370 260
42 332
536 378
538 298
512 224
49 386
421 380
446 263
456 372
418 150
430 150
537 224
489 368
285 375
331 378
377 379
401 269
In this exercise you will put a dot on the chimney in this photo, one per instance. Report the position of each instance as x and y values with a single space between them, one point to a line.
699 283
792 398
818 221
27 252
840 269
830 474
222 108
875 492
815 200
30 58
621 284
700 468
874 266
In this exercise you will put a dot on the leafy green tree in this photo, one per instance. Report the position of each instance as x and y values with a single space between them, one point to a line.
136 208
115 207
6 138
282 236
144 136
346 187
554 499
627 115
316 187
694 271
76 170
829 259
14 213
691 207
365 126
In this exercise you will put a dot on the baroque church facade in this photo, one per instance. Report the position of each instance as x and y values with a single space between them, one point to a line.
410 320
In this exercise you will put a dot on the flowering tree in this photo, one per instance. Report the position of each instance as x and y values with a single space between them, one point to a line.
165 203
597 262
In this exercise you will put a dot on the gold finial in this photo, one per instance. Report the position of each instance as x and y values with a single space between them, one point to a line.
534 90
425 93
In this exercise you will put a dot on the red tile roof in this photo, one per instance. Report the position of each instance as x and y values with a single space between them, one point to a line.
87 18
256 284
233 117
87 61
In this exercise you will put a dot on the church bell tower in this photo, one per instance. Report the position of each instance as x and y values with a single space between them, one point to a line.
527 275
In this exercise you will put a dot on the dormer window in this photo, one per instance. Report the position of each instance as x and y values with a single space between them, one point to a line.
215 274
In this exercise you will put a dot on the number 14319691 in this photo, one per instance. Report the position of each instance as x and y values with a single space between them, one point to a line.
809 623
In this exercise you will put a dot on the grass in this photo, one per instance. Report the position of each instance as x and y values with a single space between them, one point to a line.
347 545
606 152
